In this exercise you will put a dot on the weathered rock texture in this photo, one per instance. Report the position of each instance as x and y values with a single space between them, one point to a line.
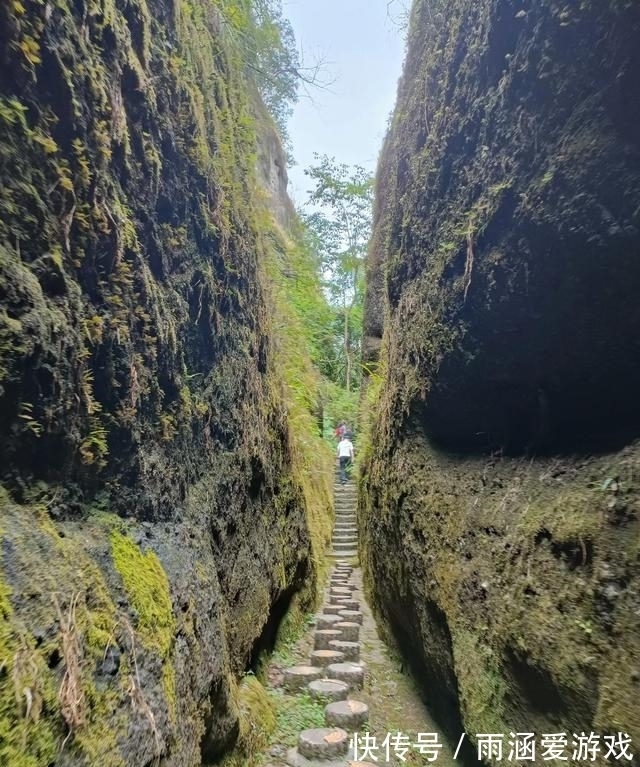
153 526
504 273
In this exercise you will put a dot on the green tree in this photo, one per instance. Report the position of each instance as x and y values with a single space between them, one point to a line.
340 226
270 54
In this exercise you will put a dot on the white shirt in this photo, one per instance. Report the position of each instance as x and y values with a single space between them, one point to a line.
345 448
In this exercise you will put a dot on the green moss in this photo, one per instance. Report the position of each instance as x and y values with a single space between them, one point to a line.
27 739
481 684
257 723
148 589
295 713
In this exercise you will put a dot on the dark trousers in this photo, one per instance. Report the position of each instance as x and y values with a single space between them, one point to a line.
344 462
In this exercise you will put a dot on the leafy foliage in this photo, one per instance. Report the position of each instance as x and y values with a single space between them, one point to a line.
269 52
340 228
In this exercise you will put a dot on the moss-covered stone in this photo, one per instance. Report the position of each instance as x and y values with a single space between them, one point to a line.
141 379
147 587
499 505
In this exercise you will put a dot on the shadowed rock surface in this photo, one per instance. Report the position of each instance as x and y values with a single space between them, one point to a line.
498 517
151 491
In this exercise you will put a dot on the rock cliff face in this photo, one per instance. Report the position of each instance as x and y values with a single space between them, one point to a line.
500 502
151 494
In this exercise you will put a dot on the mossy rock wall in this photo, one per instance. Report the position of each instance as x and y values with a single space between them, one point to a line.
154 526
503 275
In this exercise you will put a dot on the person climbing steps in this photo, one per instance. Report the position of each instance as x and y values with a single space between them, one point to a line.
345 457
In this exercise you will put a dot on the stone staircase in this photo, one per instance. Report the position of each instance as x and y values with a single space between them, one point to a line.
345 532
334 676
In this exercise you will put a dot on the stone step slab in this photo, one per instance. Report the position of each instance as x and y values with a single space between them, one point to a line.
343 547
350 631
347 604
342 554
324 658
331 610
351 673
323 743
353 616
329 690
295 759
339 591
322 638
350 650
350 715
327 621
298 677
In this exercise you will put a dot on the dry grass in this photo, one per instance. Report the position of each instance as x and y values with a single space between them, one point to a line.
139 703
70 694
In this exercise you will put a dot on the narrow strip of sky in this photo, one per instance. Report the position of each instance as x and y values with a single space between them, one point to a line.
362 43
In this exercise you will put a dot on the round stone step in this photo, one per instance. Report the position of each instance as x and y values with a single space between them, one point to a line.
350 650
324 658
327 621
298 677
323 743
350 631
331 610
345 604
322 638
348 714
353 616
351 673
328 689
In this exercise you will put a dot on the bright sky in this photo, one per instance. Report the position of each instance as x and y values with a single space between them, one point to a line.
363 44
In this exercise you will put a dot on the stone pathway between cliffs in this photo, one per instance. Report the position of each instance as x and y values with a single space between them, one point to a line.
342 666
